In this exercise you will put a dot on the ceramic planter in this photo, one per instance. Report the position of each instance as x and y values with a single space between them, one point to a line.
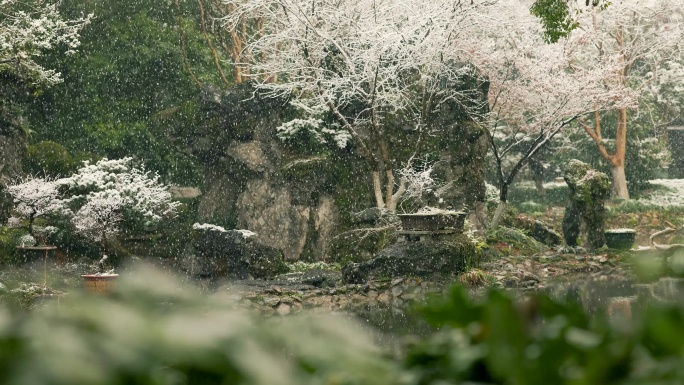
621 239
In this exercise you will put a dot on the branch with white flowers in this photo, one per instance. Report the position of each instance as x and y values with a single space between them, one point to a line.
28 29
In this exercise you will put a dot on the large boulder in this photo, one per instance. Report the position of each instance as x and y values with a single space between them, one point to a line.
236 254
443 256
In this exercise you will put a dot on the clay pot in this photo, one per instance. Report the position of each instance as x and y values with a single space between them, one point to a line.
99 284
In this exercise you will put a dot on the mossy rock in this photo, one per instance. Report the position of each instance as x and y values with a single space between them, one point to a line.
232 254
443 256
359 247
588 191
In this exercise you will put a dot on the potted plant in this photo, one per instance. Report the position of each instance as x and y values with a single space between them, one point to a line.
621 239
101 282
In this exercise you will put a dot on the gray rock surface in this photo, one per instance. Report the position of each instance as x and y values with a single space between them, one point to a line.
231 254
446 255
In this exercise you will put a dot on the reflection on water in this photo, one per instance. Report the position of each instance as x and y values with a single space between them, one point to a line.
621 297
390 323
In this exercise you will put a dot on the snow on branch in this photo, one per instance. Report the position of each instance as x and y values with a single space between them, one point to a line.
105 191
34 197
376 51
97 198
28 28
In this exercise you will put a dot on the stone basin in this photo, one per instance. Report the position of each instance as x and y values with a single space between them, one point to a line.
448 220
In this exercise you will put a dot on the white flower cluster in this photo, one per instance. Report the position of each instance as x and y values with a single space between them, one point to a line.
34 197
313 125
418 181
30 27
26 240
96 196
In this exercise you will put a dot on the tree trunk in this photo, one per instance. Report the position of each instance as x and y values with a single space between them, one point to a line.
617 160
479 217
377 190
497 215
503 197
619 182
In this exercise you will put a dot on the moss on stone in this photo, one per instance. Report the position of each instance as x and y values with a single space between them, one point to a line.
588 191
441 256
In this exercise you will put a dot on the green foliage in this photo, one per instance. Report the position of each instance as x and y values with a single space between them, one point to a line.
51 159
556 18
154 331
9 239
126 92
515 240
493 340
72 243
529 207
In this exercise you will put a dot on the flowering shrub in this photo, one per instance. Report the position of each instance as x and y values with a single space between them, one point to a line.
97 198
34 197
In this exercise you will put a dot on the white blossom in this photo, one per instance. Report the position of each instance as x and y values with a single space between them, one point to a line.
96 197
104 191
35 197
29 28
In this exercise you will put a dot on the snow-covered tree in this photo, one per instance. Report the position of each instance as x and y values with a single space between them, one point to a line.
34 197
645 40
97 198
28 28
534 90
365 61
104 194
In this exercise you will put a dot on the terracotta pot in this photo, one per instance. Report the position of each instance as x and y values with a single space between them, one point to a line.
99 284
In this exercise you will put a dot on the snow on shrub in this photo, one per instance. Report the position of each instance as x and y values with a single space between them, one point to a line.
34 197
97 198
103 194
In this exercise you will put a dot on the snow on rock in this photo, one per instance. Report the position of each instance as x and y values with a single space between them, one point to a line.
210 227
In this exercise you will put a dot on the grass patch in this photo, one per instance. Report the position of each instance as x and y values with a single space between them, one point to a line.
531 207
475 278
508 240
556 195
